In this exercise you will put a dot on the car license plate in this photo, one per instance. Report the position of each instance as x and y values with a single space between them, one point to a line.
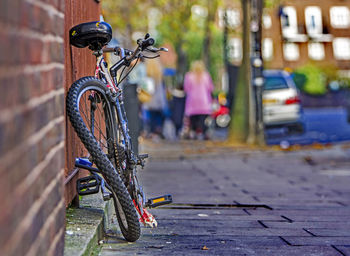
269 101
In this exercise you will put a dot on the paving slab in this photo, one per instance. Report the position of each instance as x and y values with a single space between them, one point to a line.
331 240
344 249
308 225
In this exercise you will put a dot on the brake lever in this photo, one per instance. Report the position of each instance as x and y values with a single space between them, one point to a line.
152 49
155 50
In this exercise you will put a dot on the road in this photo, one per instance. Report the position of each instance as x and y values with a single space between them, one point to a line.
322 125
238 201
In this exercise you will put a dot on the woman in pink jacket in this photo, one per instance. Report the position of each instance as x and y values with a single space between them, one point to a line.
198 87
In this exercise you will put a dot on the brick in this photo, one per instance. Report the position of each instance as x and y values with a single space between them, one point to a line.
10 86
56 52
53 3
9 42
29 122
56 223
61 5
14 208
57 27
31 233
21 89
57 248
38 151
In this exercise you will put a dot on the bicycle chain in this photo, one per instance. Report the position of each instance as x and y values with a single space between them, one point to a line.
119 150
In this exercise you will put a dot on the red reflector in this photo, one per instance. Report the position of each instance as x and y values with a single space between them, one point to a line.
292 100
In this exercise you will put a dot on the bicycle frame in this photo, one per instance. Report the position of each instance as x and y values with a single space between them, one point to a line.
116 97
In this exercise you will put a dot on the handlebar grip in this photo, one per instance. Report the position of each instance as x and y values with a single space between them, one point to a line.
147 42
108 49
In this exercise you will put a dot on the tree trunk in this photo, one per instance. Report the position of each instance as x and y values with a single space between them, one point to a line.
212 6
181 64
239 130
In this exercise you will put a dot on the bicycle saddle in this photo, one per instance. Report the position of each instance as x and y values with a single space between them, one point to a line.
95 35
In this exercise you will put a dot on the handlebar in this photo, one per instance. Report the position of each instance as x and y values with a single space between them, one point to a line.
128 56
145 44
108 49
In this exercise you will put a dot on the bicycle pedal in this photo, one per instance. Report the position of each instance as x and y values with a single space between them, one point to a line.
85 163
81 161
88 185
158 201
141 159
143 156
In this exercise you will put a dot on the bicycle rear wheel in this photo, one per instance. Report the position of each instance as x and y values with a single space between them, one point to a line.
93 117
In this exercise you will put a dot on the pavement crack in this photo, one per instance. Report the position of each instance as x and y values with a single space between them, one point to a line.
256 198
245 210
245 191
286 218
262 224
204 206
335 248
284 240
340 203
309 232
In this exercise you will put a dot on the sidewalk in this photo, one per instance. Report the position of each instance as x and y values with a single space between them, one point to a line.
244 202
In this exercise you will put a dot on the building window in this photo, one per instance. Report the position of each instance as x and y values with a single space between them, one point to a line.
316 51
235 49
267 48
340 16
233 18
267 22
341 48
291 51
289 21
313 20
198 11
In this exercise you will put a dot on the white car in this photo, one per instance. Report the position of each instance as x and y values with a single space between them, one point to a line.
281 101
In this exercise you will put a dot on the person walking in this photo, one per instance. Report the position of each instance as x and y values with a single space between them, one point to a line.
157 105
177 107
198 87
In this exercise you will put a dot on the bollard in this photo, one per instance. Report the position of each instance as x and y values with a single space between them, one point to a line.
132 106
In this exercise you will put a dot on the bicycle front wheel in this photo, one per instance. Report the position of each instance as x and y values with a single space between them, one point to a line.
93 117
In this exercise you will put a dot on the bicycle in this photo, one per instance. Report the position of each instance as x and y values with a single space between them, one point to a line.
96 111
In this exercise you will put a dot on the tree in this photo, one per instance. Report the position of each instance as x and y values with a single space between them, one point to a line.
174 28
126 17
212 7
240 127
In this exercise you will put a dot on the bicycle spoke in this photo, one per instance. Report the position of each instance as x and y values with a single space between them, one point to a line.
98 133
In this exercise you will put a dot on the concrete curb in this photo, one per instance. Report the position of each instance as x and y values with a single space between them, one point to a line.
85 226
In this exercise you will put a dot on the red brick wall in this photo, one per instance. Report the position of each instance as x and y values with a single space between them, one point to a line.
32 120
36 68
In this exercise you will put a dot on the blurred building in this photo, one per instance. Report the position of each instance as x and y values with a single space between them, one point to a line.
299 31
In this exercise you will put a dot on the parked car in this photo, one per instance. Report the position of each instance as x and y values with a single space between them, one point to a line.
281 101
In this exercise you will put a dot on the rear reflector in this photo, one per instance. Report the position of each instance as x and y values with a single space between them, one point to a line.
292 100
